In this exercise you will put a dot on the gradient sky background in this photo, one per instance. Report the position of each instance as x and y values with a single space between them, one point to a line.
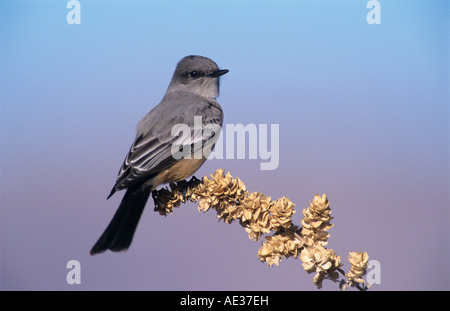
363 113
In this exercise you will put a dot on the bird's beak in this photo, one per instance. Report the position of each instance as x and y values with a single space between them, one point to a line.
218 73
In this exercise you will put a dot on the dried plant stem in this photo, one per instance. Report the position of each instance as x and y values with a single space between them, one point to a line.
260 215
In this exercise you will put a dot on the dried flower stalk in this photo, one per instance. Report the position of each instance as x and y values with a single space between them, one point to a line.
260 215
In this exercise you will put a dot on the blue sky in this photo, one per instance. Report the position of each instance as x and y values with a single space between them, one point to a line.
363 112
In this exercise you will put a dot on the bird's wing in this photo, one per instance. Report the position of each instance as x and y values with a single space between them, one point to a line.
154 147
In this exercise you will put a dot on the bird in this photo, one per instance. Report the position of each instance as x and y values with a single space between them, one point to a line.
154 157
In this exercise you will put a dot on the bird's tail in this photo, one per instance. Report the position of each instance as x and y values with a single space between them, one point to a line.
120 231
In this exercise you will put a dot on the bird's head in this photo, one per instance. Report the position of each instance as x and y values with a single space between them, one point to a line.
198 75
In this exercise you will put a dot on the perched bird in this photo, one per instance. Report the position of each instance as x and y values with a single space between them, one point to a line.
155 155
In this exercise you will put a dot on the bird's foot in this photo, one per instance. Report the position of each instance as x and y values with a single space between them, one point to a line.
194 181
183 187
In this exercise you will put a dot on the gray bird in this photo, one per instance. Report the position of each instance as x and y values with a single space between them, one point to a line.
151 162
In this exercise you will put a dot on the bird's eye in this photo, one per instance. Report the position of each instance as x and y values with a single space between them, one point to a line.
193 74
